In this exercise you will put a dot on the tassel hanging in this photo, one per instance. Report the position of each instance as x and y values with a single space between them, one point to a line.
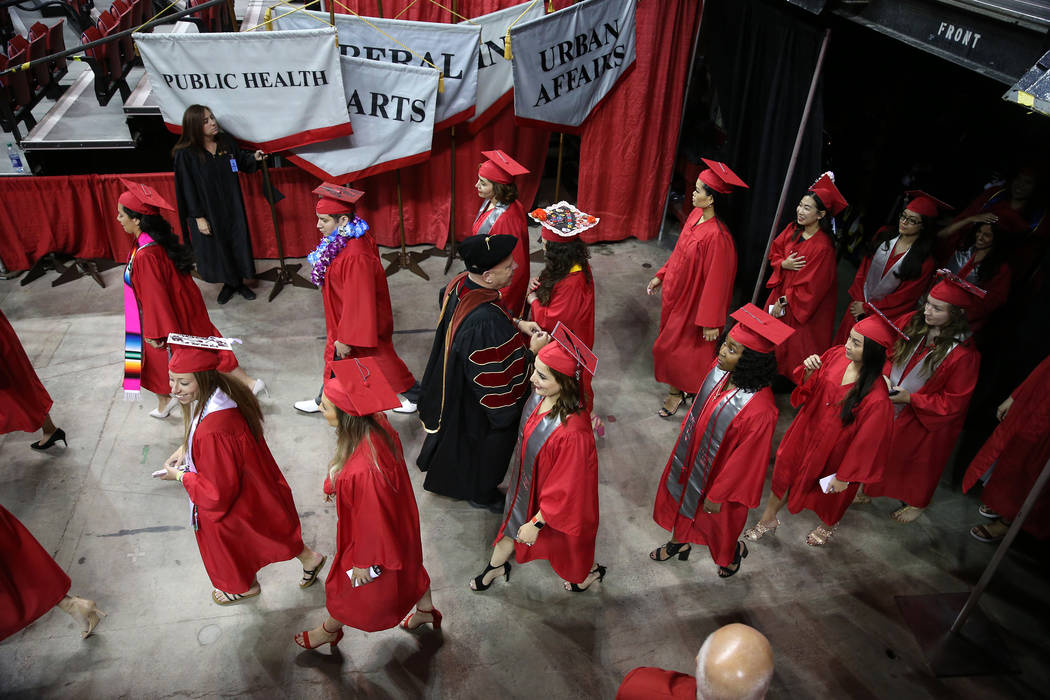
441 82
506 46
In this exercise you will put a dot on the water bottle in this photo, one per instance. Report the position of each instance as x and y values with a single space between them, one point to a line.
16 160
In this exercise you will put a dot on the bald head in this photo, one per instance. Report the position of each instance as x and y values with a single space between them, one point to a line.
735 663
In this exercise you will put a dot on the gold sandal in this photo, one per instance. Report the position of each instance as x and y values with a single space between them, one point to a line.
755 533
820 536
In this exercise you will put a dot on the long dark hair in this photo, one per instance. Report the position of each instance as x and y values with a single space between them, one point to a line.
160 231
350 432
192 129
570 396
823 222
561 256
921 249
989 267
754 370
872 360
955 331
247 404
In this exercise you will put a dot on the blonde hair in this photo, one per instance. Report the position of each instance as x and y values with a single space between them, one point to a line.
350 431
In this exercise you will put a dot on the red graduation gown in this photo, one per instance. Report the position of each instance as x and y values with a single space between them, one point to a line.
24 402
997 288
735 479
816 443
378 525
1018 451
565 490
357 310
697 288
925 430
649 683
170 302
810 293
899 302
572 303
246 512
31 583
512 223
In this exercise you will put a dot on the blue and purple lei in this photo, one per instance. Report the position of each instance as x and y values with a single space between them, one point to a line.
331 245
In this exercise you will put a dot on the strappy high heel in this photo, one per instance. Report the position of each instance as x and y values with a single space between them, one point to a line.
672 549
479 584
435 622
755 533
741 553
598 569
55 437
305 643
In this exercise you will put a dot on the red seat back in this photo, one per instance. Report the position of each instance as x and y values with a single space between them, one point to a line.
37 50
17 45
56 43
18 83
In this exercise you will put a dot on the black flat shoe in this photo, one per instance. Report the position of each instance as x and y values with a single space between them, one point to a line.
225 294
245 292
741 553
479 581
55 437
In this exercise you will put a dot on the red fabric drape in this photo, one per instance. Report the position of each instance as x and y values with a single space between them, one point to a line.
627 146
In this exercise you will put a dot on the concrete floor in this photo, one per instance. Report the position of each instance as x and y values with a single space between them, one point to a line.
124 538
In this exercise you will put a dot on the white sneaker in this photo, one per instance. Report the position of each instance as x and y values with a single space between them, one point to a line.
307 406
260 387
406 406
167 409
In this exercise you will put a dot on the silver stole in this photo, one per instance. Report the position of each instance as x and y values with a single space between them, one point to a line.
218 401
914 380
727 409
959 260
877 285
490 220
514 512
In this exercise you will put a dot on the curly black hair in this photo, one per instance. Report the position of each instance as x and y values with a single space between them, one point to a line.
561 256
754 370
160 231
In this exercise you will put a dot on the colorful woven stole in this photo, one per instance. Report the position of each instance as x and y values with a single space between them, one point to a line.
133 330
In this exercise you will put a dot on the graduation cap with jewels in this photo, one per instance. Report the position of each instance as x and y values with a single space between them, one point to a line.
955 290
359 387
196 341
567 353
878 327
191 353
829 194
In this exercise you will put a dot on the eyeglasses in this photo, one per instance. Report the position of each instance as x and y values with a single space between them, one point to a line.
911 220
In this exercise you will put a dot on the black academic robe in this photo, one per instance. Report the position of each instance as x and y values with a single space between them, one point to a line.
470 411
207 186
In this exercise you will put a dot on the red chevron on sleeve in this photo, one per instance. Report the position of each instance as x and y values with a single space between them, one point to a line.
502 353
508 398
496 380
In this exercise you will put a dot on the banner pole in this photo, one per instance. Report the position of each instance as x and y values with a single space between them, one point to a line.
282 274
557 174
791 164
404 258
452 218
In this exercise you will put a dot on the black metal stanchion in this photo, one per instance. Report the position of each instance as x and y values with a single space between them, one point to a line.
284 273
404 258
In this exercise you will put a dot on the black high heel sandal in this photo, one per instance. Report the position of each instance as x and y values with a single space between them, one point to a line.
479 581
598 569
55 437
673 549
741 553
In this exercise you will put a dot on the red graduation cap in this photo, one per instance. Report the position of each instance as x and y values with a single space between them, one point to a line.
500 167
926 204
877 327
956 291
720 178
758 330
829 194
336 199
191 353
359 387
142 198
567 353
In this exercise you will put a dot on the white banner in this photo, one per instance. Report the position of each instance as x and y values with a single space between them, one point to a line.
495 78
392 107
451 48
566 62
271 90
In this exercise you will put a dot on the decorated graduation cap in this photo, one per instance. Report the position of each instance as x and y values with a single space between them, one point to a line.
335 199
757 330
481 253
142 199
956 291
191 353
567 354
829 194
719 177
562 222
500 167
926 204
359 387
875 326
